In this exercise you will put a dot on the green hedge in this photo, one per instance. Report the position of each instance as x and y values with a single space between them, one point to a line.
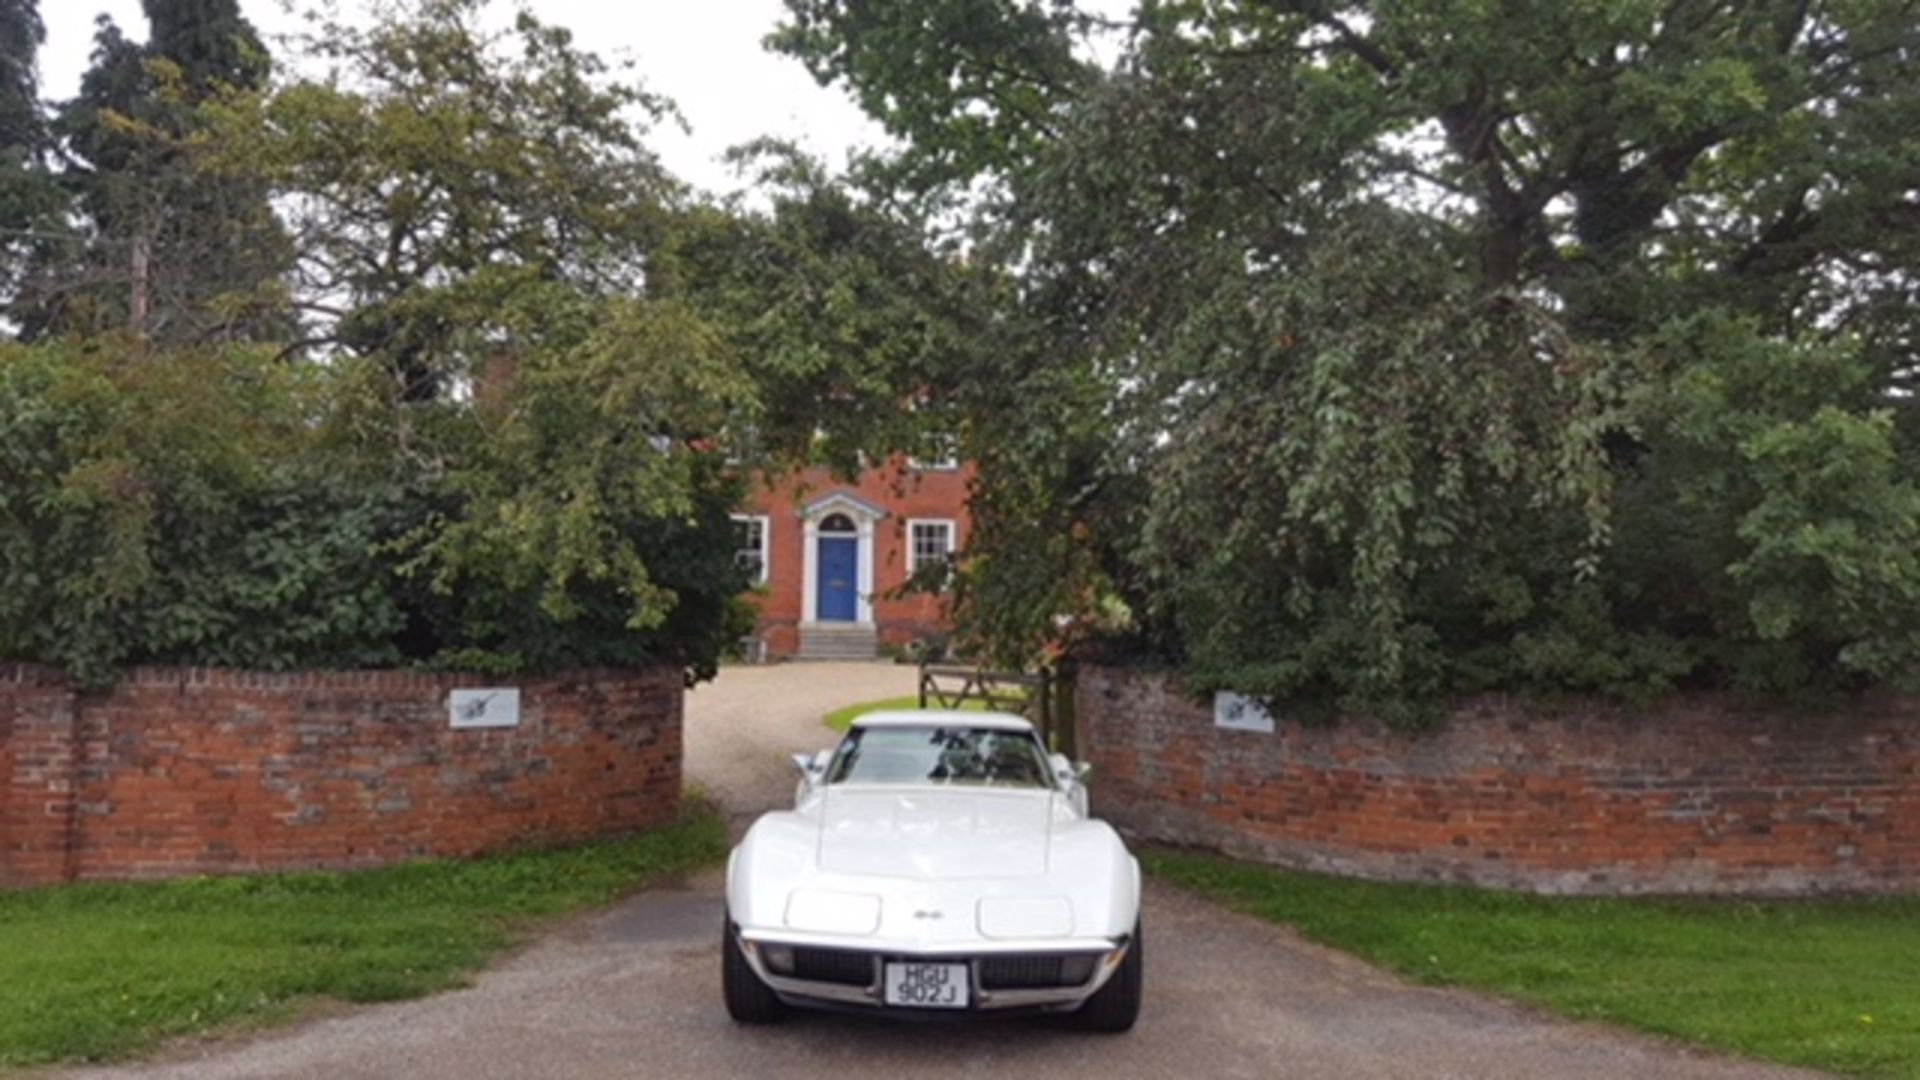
233 509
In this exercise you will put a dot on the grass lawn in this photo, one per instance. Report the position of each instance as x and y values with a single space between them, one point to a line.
842 719
1830 984
100 971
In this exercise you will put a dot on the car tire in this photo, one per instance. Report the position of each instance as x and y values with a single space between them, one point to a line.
1114 1007
749 1000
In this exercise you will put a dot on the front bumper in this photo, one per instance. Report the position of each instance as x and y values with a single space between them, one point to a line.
1001 975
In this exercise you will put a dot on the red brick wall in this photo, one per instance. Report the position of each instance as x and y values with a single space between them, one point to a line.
178 771
37 784
9 694
1697 796
905 494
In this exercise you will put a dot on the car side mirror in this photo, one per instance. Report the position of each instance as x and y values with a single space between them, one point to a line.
813 772
1068 771
1072 778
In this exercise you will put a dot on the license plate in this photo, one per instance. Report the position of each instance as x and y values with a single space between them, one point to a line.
927 986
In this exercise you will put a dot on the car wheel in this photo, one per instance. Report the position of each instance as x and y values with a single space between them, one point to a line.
1114 1007
749 1001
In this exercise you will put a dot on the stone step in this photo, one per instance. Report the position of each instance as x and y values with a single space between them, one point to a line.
838 643
855 653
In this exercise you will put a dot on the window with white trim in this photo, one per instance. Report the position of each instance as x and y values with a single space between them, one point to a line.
928 543
750 536
946 451
742 444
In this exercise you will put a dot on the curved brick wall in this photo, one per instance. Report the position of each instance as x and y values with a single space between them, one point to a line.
1698 796
178 771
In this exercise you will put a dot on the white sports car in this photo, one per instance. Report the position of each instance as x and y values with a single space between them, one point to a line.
935 861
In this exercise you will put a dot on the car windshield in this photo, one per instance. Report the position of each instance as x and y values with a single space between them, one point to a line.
977 756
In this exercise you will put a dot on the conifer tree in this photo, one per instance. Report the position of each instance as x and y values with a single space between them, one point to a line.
170 252
29 197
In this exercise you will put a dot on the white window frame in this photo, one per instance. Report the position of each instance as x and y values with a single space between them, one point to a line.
766 543
742 444
913 548
948 462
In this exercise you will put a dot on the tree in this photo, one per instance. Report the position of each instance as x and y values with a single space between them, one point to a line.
168 251
30 201
21 35
214 47
1389 331
850 326
498 437
972 86
442 180
476 218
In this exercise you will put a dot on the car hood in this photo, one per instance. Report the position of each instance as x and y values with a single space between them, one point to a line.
935 835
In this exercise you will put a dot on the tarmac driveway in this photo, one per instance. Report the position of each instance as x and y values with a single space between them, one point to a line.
634 992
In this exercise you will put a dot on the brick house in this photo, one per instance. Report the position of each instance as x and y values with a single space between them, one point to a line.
831 555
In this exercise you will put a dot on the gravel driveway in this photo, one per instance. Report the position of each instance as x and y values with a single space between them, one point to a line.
634 992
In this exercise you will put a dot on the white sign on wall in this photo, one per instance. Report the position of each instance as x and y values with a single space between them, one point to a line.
489 708
1239 712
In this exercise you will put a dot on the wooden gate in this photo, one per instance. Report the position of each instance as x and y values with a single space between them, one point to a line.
948 686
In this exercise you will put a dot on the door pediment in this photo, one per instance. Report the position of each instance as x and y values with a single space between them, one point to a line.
842 502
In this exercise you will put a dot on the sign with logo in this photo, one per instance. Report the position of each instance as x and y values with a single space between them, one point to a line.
490 708
1238 712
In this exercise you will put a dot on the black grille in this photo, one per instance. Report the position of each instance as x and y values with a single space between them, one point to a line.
1035 972
833 966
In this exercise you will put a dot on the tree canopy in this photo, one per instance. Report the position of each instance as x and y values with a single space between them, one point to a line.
441 182
1367 351
29 195
159 247
1352 353
850 324
490 425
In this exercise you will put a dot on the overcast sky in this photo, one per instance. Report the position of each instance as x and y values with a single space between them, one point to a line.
705 54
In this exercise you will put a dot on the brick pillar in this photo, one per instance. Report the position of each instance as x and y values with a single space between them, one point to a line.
9 694
37 791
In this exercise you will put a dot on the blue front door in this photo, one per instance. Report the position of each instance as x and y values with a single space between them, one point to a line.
839 569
